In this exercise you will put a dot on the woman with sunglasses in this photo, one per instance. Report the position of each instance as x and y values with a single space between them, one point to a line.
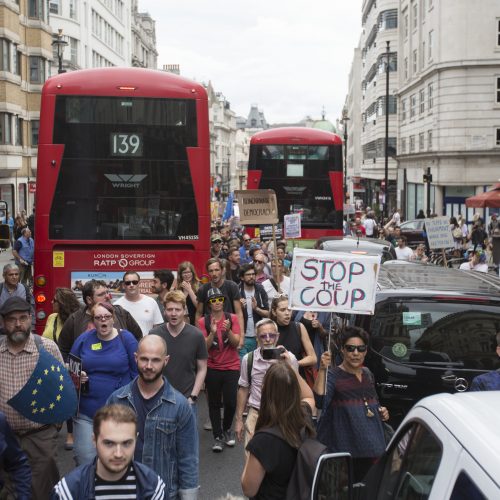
108 363
64 303
351 420
222 336
292 335
188 282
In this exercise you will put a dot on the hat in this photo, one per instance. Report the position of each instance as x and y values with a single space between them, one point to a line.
213 293
215 237
13 304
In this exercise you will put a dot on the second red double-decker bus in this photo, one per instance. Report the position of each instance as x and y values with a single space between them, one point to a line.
304 168
123 178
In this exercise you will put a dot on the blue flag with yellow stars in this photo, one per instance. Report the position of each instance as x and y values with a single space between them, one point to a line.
49 396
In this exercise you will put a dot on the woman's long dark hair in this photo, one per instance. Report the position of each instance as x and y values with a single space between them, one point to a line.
280 404
68 303
274 305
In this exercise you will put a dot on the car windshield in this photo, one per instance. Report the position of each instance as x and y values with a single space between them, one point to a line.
438 333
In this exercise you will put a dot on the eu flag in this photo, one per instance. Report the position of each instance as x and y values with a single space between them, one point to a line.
49 396
229 211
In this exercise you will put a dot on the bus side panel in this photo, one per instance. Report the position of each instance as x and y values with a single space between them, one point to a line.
253 179
336 183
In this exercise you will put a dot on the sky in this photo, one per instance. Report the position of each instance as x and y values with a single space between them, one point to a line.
291 58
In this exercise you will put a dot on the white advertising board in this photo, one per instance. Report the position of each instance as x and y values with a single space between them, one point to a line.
333 281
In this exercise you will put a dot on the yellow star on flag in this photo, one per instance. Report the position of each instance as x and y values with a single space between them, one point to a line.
51 406
34 392
61 378
39 381
46 371
52 367
61 387
33 403
58 397
35 411
58 369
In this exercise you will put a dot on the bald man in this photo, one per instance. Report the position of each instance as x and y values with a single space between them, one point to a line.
167 433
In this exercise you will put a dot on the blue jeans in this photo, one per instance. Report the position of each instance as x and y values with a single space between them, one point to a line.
249 346
83 448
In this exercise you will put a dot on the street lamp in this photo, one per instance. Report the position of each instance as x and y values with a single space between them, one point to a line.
345 119
386 166
60 44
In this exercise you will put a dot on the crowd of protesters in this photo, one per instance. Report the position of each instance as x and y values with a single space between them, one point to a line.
149 360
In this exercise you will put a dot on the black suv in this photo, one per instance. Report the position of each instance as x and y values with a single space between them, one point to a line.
433 331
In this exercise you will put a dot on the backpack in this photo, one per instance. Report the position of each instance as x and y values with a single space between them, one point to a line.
457 233
301 480
215 343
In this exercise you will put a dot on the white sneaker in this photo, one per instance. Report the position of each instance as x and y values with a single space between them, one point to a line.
207 425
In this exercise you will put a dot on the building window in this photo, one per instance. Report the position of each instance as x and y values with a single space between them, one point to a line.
415 61
412 143
413 105
421 140
36 9
406 26
16 61
415 15
403 110
403 145
422 101
429 140
73 9
431 42
37 69
5 49
55 7
430 96
498 90
73 45
19 130
422 10
406 68
498 32
35 125
422 56
498 137
388 19
5 128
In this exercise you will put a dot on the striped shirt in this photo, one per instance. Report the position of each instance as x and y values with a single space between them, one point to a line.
15 371
123 489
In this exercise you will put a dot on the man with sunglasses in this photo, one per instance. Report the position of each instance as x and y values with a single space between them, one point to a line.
93 292
144 309
245 257
216 246
253 369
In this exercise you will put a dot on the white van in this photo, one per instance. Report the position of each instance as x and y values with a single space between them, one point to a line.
447 448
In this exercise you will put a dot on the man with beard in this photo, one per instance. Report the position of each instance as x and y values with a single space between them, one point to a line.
163 281
113 474
18 358
167 434
255 305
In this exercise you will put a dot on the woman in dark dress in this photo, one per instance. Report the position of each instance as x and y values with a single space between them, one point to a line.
351 420
293 336
188 283
271 458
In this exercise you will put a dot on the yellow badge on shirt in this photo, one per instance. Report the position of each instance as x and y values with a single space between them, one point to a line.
96 347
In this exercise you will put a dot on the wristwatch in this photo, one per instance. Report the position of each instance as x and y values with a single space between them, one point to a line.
193 398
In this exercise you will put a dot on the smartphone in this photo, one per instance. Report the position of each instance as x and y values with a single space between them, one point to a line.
272 353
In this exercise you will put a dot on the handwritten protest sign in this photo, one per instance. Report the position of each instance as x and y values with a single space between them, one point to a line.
292 226
333 281
257 206
439 233
75 372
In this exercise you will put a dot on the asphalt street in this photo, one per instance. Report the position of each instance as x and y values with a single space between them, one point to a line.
219 472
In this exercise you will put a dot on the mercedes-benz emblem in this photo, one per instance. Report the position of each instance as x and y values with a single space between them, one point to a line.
461 384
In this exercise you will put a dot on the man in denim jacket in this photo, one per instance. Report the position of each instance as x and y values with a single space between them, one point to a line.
165 422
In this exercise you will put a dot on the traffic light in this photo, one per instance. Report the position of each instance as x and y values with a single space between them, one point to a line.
427 178
217 193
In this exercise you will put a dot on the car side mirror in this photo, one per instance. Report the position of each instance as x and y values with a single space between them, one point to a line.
333 477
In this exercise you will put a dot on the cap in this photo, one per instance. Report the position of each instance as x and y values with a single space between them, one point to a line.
13 304
213 293
215 237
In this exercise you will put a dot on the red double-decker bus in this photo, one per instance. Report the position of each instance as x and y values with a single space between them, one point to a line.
304 168
123 178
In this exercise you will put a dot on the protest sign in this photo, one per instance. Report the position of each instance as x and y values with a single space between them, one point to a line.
266 232
75 372
292 226
438 231
333 281
257 206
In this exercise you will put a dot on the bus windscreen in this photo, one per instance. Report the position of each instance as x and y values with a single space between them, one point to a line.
124 174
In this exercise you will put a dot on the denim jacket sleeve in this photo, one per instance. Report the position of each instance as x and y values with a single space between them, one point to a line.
187 456
15 462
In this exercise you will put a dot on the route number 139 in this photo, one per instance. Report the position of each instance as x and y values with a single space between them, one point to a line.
126 144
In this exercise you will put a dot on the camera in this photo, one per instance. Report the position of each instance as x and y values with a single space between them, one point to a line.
272 353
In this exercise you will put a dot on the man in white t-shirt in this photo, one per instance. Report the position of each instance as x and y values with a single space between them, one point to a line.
402 251
143 309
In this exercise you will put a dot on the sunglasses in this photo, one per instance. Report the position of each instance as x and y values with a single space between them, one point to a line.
259 262
270 336
216 300
131 282
216 241
247 239
103 317
352 348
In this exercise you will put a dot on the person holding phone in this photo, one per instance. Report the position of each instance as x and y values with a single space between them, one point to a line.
222 336
254 366
351 420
